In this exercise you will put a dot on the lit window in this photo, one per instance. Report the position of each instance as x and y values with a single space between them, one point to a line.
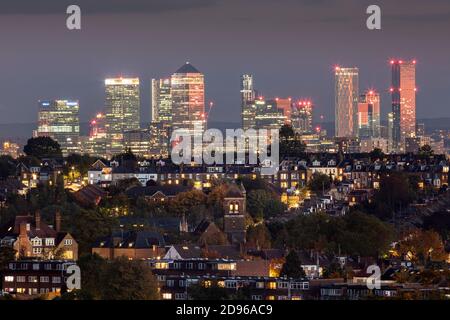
9 279
167 296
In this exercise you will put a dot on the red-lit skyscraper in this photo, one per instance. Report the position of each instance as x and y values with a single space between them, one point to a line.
403 92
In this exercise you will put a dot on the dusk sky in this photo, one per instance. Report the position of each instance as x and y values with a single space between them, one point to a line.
290 46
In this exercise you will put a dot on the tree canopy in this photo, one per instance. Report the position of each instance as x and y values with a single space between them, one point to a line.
42 147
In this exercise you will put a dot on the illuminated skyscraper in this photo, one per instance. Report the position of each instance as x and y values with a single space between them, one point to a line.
247 101
268 115
403 92
188 99
346 102
390 130
161 101
97 136
369 115
59 120
302 116
122 111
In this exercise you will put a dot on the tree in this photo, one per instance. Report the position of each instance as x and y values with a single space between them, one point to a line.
422 246
42 147
259 236
426 151
7 254
396 191
292 268
376 154
262 203
117 279
319 182
129 280
7 167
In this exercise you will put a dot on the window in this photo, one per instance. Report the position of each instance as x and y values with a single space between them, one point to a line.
260 285
272 285
49 242
170 283
32 279
167 296
37 251
177 265
230 284
48 266
35 266
161 265
190 266
201 266
44 279
21 278
36 242
256 297
56 279
68 242
282 285
181 283
226 266
180 296
9 279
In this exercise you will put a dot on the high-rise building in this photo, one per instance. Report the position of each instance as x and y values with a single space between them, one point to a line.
247 88
268 115
161 100
188 99
346 102
138 141
302 116
390 131
369 115
97 136
122 111
403 93
59 120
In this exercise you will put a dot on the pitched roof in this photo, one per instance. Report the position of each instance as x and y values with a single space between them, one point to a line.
131 239
187 68
167 190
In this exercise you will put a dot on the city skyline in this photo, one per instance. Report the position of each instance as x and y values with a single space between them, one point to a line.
304 66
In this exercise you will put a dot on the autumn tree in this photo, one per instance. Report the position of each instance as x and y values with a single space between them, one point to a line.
422 246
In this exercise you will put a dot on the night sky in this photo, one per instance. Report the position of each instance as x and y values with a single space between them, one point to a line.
290 46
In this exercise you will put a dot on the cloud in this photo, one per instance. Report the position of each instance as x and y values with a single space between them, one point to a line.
30 7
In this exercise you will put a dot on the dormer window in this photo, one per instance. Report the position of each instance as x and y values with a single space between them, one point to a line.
36 242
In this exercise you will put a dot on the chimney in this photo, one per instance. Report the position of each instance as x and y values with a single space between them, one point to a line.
58 221
37 218
23 230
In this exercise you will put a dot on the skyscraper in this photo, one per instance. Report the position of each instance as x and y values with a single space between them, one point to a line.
302 116
369 115
59 120
247 98
268 116
403 92
346 102
188 99
161 101
122 111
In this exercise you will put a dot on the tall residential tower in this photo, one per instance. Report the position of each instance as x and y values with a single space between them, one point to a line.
403 93
346 102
